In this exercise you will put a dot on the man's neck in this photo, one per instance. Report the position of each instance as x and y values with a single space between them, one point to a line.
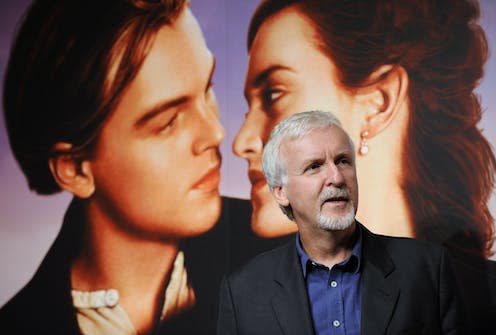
329 247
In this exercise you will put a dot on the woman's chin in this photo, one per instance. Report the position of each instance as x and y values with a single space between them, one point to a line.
270 222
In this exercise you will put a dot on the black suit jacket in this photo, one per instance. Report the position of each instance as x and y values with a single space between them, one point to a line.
407 288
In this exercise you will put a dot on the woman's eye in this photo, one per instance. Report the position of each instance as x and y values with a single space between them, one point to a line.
270 96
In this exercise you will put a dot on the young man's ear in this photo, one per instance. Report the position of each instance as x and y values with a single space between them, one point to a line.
279 194
383 98
72 173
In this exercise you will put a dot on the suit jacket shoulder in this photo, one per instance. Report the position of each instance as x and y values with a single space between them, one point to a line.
266 296
408 286
44 305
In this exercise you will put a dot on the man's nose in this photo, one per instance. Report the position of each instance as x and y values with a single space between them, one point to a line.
334 176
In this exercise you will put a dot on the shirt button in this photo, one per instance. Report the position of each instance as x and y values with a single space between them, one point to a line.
334 283
336 323
111 297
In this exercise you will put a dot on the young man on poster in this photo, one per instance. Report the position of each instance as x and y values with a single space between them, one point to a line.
112 101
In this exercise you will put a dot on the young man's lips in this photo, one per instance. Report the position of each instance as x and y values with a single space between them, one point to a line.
210 181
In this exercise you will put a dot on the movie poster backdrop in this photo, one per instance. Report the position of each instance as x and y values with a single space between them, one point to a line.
29 222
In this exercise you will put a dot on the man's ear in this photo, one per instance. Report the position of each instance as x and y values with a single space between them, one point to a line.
70 172
383 97
279 194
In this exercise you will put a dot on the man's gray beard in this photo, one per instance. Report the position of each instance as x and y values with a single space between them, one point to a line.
335 223
339 223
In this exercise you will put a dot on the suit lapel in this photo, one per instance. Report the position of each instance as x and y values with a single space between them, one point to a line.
290 304
379 290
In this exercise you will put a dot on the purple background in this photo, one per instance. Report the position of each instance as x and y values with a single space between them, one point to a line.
29 223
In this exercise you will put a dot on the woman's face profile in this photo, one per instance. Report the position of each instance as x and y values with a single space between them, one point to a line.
285 76
156 163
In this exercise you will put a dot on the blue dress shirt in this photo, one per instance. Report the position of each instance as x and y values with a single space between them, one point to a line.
335 298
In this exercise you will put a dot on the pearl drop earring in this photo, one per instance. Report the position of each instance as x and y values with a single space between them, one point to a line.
364 145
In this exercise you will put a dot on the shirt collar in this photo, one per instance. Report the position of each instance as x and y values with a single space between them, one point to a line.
356 254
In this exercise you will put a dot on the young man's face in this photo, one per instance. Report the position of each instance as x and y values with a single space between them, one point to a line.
321 180
156 165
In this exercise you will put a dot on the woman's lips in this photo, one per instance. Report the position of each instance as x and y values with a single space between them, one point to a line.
210 181
257 179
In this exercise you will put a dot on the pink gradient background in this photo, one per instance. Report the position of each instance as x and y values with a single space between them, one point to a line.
29 223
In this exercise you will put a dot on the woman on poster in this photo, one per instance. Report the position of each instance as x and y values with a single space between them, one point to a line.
400 75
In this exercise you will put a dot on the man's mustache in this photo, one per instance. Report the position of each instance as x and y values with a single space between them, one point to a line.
333 193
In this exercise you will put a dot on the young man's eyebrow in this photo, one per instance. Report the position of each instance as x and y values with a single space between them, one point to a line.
157 109
165 105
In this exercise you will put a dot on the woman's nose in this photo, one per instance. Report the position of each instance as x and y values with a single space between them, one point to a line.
248 142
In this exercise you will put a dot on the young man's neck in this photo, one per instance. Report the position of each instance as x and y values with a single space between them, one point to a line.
138 268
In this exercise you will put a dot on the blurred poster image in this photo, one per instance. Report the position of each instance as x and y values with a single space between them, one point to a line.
131 146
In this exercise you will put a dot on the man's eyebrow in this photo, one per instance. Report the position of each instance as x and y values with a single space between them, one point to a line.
262 77
345 154
311 160
163 106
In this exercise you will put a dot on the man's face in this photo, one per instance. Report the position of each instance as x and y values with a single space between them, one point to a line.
321 183
285 76
156 165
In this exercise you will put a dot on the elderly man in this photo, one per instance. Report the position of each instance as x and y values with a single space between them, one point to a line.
338 277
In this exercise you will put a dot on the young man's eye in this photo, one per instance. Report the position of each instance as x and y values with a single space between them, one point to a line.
210 87
168 124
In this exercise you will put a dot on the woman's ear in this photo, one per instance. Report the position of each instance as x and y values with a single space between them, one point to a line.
279 194
383 97
70 172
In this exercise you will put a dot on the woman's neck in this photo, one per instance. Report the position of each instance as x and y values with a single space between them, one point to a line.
382 206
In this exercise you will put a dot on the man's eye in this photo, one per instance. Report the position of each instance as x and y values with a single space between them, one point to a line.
313 166
344 161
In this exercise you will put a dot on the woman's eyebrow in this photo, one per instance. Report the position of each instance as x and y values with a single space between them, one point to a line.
261 78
